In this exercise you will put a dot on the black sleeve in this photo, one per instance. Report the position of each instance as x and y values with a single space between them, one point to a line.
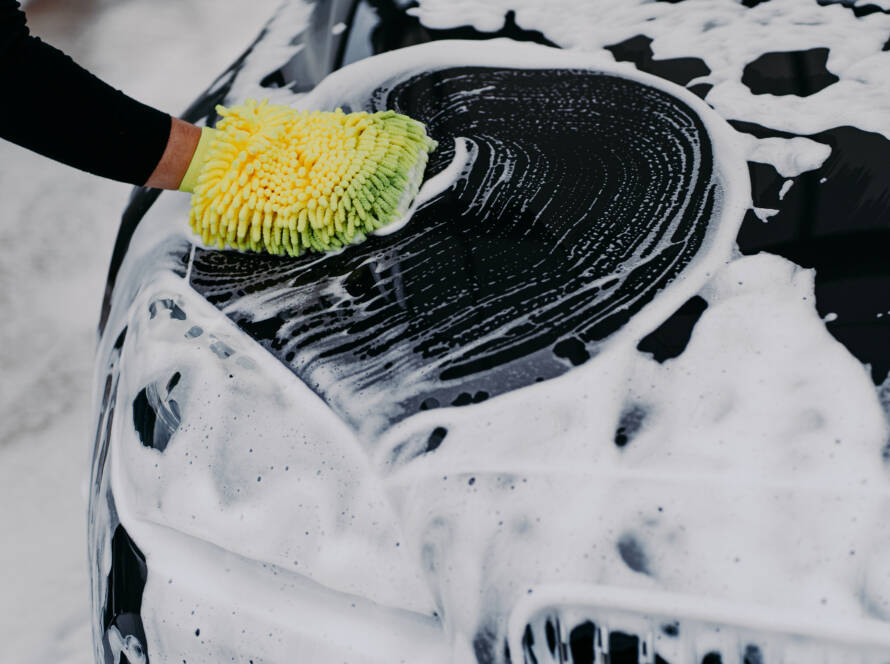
53 106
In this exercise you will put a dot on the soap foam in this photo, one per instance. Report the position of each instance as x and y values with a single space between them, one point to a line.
726 36
753 473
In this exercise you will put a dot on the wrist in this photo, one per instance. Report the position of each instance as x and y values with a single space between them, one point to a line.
196 164
181 145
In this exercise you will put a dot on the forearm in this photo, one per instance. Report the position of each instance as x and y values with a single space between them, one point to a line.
55 107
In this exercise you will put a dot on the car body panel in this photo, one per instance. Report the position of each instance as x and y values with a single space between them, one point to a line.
502 426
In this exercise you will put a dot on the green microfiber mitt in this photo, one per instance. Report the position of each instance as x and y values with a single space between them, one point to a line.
273 178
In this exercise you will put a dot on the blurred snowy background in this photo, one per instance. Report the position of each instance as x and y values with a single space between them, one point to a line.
60 226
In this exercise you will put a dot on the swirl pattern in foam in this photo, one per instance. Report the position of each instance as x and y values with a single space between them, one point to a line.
586 194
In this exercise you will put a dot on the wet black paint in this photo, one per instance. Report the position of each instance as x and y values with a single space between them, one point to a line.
766 185
835 219
547 639
392 27
144 418
396 28
632 552
558 650
436 438
510 30
630 422
321 53
859 8
573 350
623 648
141 199
486 294
123 600
800 73
700 89
638 50
581 643
466 398
669 339
671 629
550 635
528 644
156 415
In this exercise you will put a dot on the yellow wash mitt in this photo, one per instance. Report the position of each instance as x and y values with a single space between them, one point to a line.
278 179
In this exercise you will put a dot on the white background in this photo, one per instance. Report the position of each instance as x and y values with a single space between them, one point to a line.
58 228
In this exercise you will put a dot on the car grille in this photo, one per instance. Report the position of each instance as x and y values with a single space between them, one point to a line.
601 625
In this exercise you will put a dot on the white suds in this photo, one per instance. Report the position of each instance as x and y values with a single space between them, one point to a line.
726 36
764 213
266 503
786 186
789 156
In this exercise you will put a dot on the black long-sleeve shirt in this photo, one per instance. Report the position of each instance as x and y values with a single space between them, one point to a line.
53 106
